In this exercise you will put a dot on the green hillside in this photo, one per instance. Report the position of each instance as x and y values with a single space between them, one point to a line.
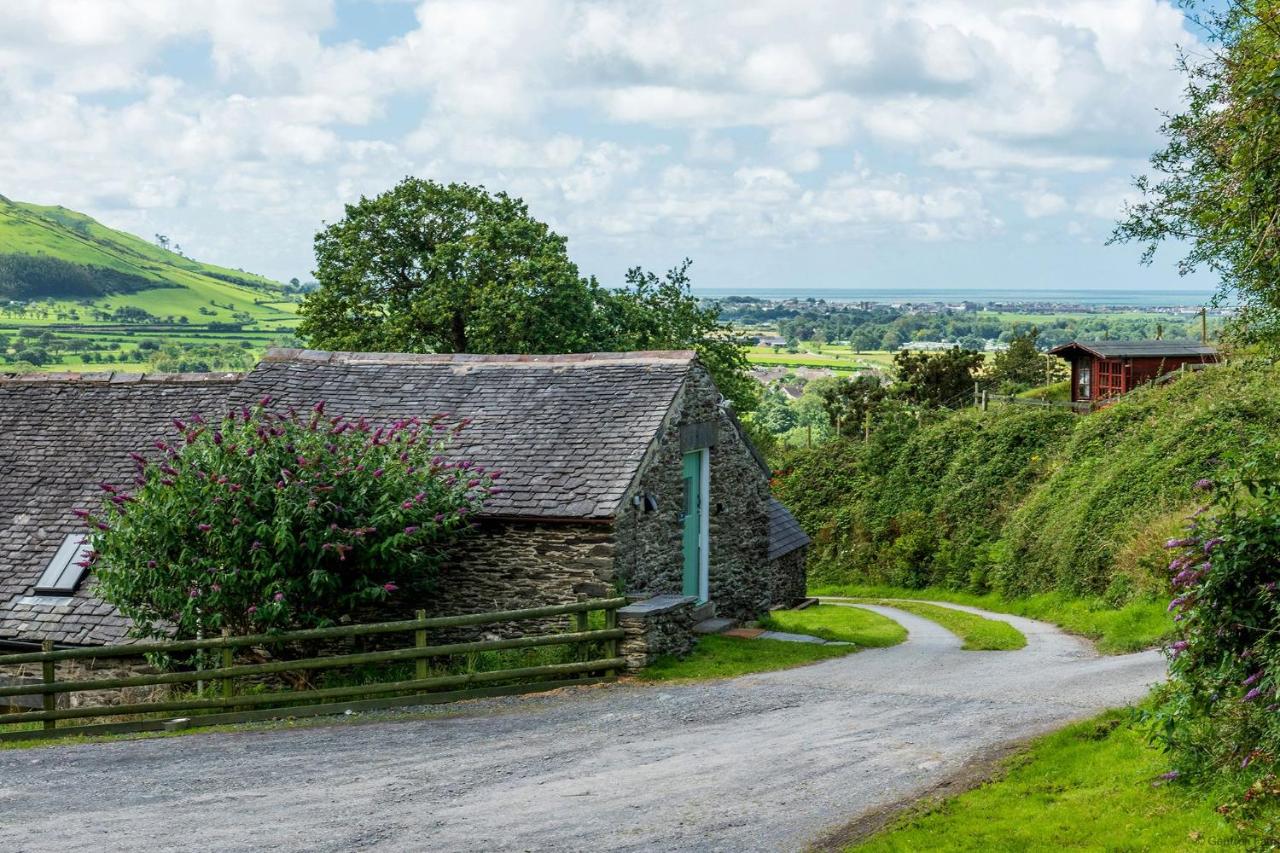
1021 500
77 295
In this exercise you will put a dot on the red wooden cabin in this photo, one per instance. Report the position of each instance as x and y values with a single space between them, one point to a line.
1104 369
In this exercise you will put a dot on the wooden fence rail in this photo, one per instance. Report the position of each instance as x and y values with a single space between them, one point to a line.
422 688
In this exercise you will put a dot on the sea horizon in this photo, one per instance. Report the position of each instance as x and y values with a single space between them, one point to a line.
1164 298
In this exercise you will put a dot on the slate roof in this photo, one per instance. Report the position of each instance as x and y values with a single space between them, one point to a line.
568 431
60 435
785 533
1140 349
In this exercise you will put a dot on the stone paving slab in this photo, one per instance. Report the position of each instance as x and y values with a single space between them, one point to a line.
791 638
744 633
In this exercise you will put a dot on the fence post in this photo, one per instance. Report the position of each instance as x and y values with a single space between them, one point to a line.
420 642
49 701
611 645
583 649
984 401
228 658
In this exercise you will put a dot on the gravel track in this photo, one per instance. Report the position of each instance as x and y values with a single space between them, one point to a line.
761 762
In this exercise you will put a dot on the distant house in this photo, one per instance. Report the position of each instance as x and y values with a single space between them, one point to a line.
622 471
1101 370
771 341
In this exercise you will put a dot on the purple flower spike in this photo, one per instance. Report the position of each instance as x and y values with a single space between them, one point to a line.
1204 484
1252 694
1253 679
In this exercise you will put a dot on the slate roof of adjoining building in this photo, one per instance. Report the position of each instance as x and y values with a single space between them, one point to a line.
60 435
569 432
785 533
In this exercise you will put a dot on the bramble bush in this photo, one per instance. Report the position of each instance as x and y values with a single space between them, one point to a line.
280 519
1219 714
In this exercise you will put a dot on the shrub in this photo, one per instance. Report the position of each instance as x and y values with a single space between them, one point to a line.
1218 713
277 520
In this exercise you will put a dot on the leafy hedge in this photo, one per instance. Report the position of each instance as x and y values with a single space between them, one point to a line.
1024 500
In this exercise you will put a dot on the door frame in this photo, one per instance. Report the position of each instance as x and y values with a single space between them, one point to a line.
704 527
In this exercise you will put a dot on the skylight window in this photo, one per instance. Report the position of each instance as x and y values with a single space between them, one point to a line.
64 571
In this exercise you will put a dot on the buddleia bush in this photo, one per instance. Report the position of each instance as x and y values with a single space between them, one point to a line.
1220 711
275 519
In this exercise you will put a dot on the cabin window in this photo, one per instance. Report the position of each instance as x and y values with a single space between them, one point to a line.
67 568
1086 382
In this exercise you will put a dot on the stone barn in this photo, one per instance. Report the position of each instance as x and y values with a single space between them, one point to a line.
623 472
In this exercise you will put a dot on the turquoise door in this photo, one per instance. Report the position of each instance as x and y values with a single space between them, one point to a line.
691 518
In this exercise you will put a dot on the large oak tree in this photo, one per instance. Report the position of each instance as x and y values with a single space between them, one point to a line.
427 267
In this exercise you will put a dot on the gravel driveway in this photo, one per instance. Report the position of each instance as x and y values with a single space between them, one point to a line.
763 762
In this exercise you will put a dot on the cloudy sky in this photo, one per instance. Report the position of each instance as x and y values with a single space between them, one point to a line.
779 143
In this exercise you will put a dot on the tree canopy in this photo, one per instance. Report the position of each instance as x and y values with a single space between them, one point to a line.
944 379
1216 186
426 267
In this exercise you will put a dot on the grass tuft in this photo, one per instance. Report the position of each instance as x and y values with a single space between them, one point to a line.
1133 627
978 632
841 624
725 657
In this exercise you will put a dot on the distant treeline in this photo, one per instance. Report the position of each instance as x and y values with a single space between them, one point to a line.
883 327
27 277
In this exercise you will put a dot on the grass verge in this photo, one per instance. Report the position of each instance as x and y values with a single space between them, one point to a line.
842 624
723 657
978 633
1136 626
1092 786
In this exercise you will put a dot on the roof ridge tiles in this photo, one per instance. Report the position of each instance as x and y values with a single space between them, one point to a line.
120 378
281 354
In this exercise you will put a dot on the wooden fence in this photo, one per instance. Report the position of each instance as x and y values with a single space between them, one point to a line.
218 701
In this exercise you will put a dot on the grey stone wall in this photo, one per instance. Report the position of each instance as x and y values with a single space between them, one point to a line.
649 556
660 626
508 565
787 578
84 670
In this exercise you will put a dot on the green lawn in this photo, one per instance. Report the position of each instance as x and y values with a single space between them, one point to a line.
842 624
723 657
979 633
1091 786
1136 626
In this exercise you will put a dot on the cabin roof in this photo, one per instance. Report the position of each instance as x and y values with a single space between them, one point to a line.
1136 349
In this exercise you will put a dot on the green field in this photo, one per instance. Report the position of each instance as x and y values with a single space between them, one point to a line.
829 356
168 299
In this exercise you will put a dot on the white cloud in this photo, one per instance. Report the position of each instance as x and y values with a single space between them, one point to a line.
751 122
